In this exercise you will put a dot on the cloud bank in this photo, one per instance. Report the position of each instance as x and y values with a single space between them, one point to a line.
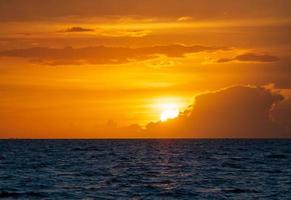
19 10
234 112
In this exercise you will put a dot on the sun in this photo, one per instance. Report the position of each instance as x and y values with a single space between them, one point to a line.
170 111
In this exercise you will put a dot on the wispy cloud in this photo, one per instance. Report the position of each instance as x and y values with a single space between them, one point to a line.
103 54
78 29
184 19
251 57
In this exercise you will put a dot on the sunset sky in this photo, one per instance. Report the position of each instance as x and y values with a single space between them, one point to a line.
145 69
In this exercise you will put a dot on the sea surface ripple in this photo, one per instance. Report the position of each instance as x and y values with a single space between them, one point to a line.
145 169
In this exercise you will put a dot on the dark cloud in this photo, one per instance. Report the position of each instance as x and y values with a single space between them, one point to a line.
251 57
101 54
282 113
78 29
20 10
235 112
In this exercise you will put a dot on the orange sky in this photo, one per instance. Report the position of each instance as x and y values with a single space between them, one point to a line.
110 68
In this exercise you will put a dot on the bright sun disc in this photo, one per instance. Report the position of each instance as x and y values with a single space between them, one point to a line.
169 114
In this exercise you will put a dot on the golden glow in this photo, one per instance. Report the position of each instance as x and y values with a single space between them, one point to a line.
68 72
170 111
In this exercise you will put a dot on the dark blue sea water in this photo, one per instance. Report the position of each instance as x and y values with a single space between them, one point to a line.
145 169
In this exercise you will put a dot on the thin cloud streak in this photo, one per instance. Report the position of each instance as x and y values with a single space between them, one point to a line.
102 54
251 57
77 29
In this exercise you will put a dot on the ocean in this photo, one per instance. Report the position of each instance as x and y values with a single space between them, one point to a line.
145 169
